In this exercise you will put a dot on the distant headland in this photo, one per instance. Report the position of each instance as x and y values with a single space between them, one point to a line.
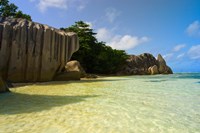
145 64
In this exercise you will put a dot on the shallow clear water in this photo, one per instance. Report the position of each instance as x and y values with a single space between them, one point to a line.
134 104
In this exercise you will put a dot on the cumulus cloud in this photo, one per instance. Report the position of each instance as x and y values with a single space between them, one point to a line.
112 14
178 47
123 42
194 52
104 35
194 29
127 42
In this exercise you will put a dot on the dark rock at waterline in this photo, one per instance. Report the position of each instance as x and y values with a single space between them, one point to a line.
65 76
31 52
145 64
3 85
91 76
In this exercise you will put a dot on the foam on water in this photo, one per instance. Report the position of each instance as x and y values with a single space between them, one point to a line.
169 103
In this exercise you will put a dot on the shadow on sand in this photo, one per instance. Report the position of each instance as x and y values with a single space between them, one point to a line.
69 82
17 103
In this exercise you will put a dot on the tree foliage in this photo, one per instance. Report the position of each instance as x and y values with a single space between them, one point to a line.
19 14
94 56
10 10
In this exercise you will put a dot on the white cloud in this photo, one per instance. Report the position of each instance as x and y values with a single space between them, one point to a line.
127 42
178 47
180 56
43 5
104 35
123 42
112 14
90 24
194 29
194 52
168 56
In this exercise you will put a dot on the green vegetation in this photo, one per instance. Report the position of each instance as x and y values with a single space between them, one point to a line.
10 10
94 56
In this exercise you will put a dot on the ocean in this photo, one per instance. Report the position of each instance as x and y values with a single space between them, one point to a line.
125 104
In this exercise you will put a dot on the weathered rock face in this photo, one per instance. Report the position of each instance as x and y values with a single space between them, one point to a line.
145 64
75 66
163 68
72 71
32 52
153 70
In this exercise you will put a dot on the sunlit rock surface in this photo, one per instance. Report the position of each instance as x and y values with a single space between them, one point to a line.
145 64
32 52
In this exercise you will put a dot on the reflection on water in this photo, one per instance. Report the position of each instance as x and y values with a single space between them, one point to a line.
161 103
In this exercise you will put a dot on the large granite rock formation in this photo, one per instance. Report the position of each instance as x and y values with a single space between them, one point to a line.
32 52
145 64
163 68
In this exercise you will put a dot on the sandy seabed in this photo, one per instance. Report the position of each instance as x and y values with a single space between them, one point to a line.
167 104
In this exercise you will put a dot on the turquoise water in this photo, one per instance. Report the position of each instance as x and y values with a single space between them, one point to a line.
132 104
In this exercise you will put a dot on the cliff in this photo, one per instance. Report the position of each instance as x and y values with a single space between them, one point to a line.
31 52
145 64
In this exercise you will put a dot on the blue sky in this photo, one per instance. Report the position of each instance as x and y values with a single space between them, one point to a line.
169 27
